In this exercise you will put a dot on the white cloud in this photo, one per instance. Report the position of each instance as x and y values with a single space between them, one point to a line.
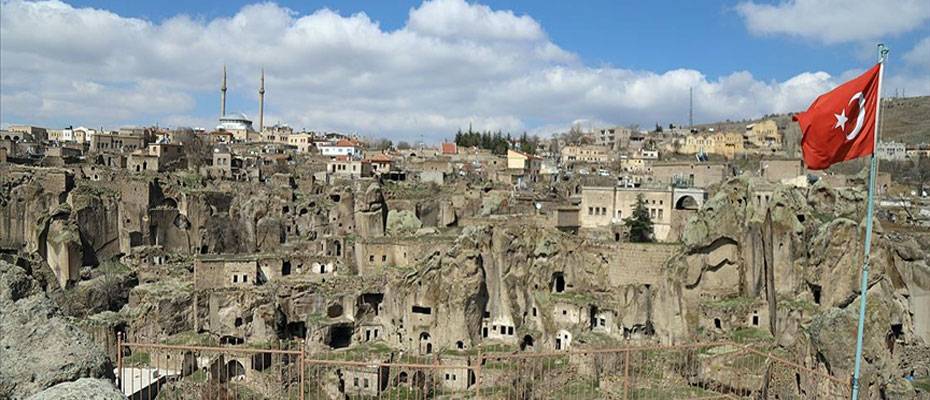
920 54
452 64
835 21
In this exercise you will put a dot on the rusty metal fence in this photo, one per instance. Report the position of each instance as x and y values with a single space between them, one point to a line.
720 370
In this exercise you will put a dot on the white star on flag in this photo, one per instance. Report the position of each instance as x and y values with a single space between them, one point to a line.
841 120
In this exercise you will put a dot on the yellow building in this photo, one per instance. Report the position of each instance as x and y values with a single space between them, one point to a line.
590 154
522 167
726 144
764 135
633 164
303 141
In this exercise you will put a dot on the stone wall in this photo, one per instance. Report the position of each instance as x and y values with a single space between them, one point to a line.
695 174
213 273
639 263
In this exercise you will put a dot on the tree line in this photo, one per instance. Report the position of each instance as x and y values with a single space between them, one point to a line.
497 142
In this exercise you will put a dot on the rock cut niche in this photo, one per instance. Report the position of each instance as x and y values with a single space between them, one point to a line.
261 361
370 302
296 329
426 344
231 340
334 311
558 282
421 310
340 336
526 343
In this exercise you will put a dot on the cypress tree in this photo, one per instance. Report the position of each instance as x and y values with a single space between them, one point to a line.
639 224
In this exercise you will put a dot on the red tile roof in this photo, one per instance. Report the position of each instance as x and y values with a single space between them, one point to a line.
380 157
346 143
449 148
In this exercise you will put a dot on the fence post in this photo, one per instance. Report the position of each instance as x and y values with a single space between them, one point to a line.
302 367
626 374
478 374
119 360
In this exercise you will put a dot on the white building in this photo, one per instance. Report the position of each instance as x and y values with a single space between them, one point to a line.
79 134
238 124
649 154
342 147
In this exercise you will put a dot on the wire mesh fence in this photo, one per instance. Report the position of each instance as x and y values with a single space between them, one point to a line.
720 370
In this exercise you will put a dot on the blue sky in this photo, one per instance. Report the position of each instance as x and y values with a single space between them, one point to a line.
603 62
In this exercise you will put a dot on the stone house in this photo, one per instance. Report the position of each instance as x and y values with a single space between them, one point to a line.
156 157
348 167
588 154
227 271
602 206
688 174
764 135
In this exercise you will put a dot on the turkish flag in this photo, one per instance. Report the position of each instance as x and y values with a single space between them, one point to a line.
840 124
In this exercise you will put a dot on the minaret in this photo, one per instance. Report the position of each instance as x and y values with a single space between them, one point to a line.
223 95
690 109
261 104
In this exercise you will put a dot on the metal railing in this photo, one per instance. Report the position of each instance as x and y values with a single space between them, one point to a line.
718 370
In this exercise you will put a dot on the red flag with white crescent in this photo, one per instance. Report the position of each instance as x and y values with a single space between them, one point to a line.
840 124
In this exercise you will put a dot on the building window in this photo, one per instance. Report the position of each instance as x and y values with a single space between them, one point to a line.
235 278
590 210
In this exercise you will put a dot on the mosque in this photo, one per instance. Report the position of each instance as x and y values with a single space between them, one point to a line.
238 123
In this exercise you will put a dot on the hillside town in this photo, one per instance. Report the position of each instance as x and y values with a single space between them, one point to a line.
129 253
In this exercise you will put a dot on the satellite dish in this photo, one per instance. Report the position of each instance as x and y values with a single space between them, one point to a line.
538 206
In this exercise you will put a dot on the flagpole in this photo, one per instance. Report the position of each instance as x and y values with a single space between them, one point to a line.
864 288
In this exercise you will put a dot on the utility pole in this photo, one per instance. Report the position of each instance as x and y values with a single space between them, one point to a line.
261 103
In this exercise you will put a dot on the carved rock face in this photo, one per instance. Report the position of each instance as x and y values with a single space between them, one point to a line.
371 200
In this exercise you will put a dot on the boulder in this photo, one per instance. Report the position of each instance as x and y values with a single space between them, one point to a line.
402 222
40 347
81 389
